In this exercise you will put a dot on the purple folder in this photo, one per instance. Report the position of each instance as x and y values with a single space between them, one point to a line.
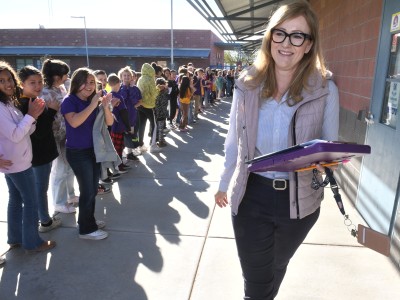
307 154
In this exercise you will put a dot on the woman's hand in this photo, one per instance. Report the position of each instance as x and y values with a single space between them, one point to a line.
106 100
36 107
221 199
4 163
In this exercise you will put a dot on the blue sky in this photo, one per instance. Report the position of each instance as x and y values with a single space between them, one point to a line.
100 14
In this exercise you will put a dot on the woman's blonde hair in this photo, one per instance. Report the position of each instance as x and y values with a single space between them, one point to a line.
263 69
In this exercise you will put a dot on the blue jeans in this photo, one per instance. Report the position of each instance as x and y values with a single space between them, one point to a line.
42 176
191 113
22 215
87 172
266 237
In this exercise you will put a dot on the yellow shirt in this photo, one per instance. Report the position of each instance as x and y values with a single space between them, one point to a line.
186 99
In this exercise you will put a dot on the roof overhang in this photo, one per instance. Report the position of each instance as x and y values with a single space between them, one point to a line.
240 21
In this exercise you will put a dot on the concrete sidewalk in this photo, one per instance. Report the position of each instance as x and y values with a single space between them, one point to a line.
168 240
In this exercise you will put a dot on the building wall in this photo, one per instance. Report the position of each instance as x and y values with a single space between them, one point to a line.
349 34
148 38
106 37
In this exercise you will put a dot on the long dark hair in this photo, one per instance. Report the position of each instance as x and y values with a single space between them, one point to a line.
185 85
51 68
78 78
4 66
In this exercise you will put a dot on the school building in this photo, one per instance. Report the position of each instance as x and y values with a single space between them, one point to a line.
361 42
110 49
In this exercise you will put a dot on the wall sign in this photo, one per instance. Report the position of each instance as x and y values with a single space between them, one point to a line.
395 25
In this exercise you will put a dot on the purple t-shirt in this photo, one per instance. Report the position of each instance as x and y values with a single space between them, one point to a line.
131 95
118 126
80 137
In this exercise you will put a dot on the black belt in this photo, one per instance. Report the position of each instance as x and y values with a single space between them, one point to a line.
277 184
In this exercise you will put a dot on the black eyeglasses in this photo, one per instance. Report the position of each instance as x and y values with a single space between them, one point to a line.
296 38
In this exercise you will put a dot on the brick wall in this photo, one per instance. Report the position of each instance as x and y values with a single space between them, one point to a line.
350 32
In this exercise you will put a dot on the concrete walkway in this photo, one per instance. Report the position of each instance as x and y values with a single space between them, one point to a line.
168 241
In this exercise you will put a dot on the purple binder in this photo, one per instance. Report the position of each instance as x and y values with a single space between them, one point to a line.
307 154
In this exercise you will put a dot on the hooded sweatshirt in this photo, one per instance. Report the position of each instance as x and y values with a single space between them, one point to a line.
147 86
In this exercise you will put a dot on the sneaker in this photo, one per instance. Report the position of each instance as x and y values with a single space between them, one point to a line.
100 224
73 200
106 181
131 156
43 247
137 151
65 209
96 235
184 130
101 190
161 144
115 176
55 222
126 166
122 170
154 149
166 130
143 148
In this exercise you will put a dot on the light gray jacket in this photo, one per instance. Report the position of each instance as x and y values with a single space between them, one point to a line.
103 146
307 124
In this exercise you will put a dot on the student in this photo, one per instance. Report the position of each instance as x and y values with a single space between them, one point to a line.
16 147
197 94
79 109
161 110
121 116
147 87
55 75
44 146
283 99
173 107
106 176
133 100
219 81
185 93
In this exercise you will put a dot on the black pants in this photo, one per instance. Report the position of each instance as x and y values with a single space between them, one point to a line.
266 237
144 115
173 106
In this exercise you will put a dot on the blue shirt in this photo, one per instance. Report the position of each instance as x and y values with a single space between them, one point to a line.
118 126
131 95
80 137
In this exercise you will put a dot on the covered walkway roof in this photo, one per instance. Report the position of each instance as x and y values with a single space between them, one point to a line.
240 22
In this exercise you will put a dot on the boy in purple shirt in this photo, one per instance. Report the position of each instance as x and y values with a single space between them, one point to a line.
121 116
133 99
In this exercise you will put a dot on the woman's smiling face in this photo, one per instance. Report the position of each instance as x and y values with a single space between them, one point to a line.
285 55
87 89
7 84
